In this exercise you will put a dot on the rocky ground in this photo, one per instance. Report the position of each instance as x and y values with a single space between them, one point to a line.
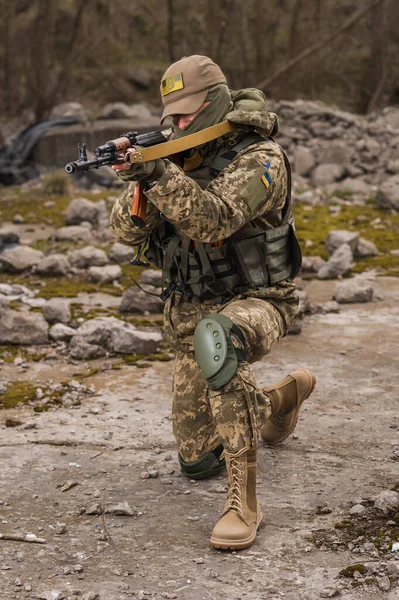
97 478
92 502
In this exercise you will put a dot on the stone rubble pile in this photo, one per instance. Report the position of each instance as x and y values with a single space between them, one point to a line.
332 149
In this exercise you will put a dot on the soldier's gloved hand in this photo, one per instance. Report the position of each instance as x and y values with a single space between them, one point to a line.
148 171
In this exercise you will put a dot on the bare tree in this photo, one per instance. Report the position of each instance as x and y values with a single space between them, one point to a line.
171 31
376 75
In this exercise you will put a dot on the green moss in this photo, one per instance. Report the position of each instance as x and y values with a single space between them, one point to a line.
349 571
10 353
343 524
78 311
89 373
35 207
41 408
316 223
19 391
35 356
343 193
57 183
60 247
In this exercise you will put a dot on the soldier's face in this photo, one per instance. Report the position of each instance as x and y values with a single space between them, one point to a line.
181 121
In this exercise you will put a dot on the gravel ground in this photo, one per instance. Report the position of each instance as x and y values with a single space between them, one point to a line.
68 473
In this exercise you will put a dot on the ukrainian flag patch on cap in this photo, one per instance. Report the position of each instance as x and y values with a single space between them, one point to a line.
172 83
267 180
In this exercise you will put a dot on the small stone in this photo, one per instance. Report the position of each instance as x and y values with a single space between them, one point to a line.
91 596
122 509
329 592
218 488
387 501
358 510
18 582
93 509
60 528
153 474
383 583
168 457
166 481
145 475
323 509
78 568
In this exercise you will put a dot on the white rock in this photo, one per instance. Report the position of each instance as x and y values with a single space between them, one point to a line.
353 290
106 274
152 277
86 257
340 263
335 239
56 310
366 248
62 333
23 328
19 258
120 253
53 265
387 501
327 173
358 510
387 194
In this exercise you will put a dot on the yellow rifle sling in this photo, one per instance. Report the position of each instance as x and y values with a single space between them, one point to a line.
165 149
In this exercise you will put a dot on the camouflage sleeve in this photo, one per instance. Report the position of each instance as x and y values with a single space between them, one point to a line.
250 186
121 224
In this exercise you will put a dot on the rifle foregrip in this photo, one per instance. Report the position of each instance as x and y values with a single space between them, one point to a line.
139 206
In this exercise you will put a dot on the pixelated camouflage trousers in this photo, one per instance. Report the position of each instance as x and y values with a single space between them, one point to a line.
204 418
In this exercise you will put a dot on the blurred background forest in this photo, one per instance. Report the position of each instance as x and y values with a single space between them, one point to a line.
97 51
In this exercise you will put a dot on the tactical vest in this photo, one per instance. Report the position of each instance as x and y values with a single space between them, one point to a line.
250 259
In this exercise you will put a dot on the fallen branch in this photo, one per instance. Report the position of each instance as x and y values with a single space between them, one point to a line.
20 537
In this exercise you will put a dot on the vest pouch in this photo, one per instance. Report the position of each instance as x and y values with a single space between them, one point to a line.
210 272
251 261
296 254
278 252
226 277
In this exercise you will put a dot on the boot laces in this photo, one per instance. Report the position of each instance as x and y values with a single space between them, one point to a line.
236 481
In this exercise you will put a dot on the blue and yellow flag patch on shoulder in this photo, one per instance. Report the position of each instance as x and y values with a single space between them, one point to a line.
267 180
172 83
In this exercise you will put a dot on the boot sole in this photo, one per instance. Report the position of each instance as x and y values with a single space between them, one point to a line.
301 400
221 544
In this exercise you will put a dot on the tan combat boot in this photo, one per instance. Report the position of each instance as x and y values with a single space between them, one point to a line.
286 398
237 527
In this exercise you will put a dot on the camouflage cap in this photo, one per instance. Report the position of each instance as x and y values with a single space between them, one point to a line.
184 85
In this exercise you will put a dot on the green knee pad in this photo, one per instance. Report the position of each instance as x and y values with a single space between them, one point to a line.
208 465
214 350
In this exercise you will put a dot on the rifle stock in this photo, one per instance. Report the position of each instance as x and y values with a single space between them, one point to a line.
139 206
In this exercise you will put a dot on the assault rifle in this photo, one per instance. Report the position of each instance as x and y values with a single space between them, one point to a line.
133 148
115 152
109 153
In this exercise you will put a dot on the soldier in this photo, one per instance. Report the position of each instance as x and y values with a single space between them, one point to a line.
219 224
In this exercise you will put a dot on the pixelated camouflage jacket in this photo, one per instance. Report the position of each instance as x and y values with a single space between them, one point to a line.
205 208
